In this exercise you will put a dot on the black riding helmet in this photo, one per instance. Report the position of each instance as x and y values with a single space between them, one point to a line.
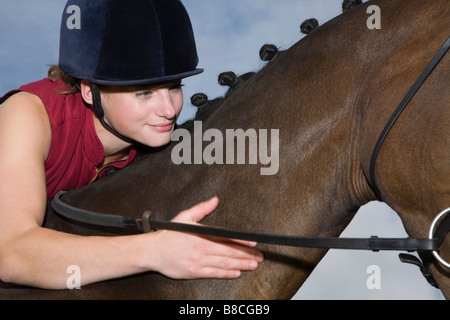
133 42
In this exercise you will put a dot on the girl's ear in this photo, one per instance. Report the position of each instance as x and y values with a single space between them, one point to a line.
86 92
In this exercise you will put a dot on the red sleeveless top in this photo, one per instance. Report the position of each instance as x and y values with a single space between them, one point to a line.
75 151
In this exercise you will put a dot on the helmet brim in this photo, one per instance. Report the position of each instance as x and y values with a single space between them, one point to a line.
152 81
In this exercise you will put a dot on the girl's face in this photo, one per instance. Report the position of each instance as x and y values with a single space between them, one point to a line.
146 114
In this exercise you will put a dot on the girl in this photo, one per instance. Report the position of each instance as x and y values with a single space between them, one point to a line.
117 85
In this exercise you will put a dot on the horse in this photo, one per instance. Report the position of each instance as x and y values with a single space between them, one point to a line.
329 95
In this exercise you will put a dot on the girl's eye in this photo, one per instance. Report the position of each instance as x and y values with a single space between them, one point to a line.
148 93
143 94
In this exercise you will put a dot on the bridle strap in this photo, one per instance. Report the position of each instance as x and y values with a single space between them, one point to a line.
430 67
146 224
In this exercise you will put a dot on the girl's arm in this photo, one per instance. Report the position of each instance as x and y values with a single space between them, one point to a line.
39 257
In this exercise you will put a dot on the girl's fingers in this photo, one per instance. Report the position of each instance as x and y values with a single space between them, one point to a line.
197 212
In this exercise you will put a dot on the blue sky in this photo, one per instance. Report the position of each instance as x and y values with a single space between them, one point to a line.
229 35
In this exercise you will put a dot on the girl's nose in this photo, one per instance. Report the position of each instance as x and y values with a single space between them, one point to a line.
166 107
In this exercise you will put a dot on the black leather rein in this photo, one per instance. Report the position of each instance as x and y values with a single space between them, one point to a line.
146 224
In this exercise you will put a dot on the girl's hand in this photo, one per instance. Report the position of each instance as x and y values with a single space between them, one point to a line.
188 256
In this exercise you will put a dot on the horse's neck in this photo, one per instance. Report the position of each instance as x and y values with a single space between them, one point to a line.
319 104
313 107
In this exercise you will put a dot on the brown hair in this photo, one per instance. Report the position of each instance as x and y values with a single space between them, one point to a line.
55 73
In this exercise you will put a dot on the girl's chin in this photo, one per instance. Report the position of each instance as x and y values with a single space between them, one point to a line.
156 140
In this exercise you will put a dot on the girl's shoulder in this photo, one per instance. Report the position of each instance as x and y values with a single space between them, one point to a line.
61 107
24 121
